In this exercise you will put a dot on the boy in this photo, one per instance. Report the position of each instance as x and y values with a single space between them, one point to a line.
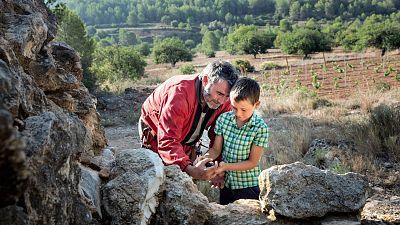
241 135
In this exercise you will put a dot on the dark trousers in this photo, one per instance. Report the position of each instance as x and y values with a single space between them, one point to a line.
227 195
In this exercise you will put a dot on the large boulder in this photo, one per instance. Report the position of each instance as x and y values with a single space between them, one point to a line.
299 191
130 196
181 202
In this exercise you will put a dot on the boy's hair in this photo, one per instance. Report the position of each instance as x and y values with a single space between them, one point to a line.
246 89
220 70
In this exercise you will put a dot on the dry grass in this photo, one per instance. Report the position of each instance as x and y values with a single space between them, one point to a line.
290 137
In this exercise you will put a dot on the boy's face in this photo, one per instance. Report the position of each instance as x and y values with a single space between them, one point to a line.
243 109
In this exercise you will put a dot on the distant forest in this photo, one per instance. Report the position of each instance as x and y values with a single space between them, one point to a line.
260 12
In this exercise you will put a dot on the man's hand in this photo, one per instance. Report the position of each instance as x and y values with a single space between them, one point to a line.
200 171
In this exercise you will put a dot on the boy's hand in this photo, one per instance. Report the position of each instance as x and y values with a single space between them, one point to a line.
218 181
220 169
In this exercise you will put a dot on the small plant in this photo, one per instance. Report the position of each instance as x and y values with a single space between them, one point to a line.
187 69
350 65
336 82
339 168
281 86
266 87
338 69
315 83
389 71
243 66
267 75
383 87
377 68
269 66
298 83
397 77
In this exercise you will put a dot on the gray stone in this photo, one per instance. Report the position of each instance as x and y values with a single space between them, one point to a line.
300 191
89 189
243 211
381 211
130 197
181 202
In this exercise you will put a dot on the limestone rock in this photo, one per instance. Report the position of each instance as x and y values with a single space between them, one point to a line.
381 211
89 189
243 211
54 140
300 191
130 197
181 202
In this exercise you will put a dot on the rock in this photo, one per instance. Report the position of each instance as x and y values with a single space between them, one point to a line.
243 211
324 154
14 215
13 167
130 197
381 211
54 140
89 189
300 191
181 202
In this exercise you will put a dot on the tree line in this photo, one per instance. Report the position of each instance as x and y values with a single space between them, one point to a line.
123 58
134 12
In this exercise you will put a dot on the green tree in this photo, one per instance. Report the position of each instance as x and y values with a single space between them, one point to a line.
71 30
304 41
171 50
127 38
349 37
132 19
143 48
380 33
284 25
114 63
249 40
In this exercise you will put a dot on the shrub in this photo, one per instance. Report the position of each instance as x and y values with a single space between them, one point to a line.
187 69
270 66
243 65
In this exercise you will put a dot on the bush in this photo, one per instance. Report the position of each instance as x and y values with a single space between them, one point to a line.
243 65
187 69
209 53
269 66
385 122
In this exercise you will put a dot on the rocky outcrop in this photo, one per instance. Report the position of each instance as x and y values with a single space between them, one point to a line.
300 191
48 119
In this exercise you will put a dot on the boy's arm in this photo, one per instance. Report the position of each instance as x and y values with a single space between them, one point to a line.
254 158
215 151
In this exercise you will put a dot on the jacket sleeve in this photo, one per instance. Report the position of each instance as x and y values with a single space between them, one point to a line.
174 115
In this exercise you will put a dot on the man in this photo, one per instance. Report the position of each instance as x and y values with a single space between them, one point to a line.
175 115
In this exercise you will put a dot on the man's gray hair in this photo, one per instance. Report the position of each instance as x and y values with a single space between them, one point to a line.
220 70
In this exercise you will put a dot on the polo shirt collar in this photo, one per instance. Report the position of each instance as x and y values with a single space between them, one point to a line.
251 122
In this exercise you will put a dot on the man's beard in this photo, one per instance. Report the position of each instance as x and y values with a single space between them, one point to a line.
212 104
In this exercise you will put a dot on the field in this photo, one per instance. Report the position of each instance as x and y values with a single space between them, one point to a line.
340 75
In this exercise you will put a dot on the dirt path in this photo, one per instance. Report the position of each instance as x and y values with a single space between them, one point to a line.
122 137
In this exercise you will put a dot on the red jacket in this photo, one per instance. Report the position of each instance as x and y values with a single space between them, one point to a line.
170 112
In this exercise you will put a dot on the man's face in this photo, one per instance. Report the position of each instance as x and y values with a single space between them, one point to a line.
215 94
